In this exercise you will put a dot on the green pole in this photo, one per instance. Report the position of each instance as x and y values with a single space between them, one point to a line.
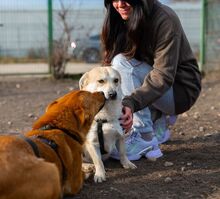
50 33
203 33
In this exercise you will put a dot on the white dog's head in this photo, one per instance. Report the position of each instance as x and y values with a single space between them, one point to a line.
105 79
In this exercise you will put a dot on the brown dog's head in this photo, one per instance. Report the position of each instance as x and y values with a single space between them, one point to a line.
74 111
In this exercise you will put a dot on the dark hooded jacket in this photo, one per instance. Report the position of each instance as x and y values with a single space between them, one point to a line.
173 63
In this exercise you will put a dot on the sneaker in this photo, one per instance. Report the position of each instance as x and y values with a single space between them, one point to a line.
162 135
136 147
172 119
161 127
155 152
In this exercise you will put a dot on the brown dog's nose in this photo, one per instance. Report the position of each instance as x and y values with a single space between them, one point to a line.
102 93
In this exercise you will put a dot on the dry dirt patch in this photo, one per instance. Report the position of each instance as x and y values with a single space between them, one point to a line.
193 153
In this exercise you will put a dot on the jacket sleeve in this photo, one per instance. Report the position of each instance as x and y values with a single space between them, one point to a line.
161 77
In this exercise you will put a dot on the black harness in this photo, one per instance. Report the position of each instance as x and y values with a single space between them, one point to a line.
51 144
100 122
32 144
73 136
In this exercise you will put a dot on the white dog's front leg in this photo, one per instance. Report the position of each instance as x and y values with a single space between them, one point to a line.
126 163
95 155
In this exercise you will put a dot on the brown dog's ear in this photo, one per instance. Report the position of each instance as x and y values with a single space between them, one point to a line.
58 100
50 105
83 81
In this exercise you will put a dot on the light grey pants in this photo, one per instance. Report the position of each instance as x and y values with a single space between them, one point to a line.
133 73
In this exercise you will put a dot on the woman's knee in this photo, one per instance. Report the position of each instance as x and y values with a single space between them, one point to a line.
118 59
120 62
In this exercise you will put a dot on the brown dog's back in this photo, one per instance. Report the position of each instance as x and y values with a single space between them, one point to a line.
23 175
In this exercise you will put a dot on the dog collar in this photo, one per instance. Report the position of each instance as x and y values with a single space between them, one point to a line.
100 135
73 136
32 144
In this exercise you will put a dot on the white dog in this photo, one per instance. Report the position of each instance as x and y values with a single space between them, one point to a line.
105 132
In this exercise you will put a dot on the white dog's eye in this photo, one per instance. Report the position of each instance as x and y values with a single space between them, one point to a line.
101 81
116 80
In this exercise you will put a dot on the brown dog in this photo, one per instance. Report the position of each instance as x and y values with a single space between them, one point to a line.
57 139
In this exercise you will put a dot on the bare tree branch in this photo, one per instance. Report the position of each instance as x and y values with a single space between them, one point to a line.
61 46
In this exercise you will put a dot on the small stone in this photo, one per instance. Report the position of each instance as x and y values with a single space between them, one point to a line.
212 108
30 115
168 164
113 189
183 169
207 135
196 115
201 129
184 115
189 163
9 123
18 86
168 180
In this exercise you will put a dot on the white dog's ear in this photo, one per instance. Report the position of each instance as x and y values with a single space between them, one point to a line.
83 81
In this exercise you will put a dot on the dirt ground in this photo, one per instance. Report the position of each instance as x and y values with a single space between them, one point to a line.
193 153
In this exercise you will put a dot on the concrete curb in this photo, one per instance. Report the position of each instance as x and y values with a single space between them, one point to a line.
42 68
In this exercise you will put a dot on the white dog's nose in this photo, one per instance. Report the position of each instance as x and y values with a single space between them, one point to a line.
112 95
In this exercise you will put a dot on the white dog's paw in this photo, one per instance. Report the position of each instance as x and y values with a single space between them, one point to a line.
129 165
99 177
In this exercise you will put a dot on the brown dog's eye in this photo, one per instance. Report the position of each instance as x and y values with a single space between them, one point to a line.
101 81
116 80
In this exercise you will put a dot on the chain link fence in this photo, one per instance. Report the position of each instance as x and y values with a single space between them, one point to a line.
24 31
23 36
212 35
190 16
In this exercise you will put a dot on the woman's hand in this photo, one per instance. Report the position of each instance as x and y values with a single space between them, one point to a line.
126 120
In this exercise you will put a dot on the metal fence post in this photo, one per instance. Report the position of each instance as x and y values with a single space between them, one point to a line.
203 34
50 33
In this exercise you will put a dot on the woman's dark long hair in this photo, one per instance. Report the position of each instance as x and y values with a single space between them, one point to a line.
130 37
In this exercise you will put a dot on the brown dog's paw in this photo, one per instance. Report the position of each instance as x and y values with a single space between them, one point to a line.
88 169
